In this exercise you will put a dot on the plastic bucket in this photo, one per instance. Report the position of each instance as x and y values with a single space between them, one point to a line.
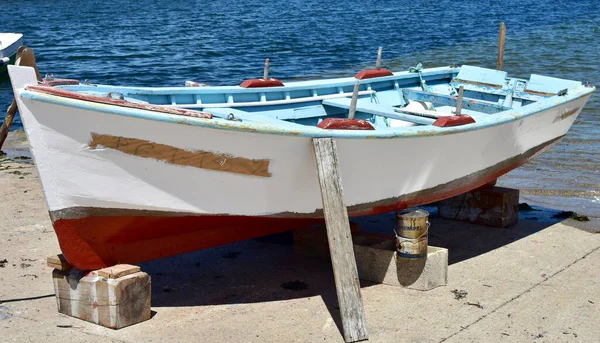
411 233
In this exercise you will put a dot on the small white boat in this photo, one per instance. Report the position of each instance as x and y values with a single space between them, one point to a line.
9 44
131 174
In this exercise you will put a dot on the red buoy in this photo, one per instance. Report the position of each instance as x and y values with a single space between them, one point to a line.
454 121
256 83
345 124
371 73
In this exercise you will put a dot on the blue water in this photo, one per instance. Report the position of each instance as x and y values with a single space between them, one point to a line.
224 42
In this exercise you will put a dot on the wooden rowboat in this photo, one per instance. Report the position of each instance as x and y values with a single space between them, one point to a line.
132 174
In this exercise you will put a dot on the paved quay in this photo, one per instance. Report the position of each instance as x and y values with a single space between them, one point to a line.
536 282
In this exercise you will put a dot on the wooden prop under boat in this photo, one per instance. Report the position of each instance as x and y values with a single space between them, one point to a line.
132 174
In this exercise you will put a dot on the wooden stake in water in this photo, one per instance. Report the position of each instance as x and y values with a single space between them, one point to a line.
378 64
501 40
459 100
352 109
266 73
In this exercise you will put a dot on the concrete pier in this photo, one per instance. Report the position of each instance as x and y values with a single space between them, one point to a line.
537 282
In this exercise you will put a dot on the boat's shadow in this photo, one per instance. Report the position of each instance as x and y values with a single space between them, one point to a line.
267 269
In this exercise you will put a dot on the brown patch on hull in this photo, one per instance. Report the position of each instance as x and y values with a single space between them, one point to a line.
170 154
566 114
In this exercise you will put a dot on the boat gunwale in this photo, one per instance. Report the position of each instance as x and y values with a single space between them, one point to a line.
440 72
314 132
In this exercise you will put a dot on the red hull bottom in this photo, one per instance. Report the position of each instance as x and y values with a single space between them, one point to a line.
97 242
93 238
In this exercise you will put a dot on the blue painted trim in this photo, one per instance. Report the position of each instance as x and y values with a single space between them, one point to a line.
438 73
313 132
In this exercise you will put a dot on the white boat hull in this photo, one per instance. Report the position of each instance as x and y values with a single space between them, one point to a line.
122 188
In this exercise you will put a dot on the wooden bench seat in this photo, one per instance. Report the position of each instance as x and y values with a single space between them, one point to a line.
378 109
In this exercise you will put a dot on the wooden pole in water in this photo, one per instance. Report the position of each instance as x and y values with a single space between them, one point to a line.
352 109
266 73
459 101
339 236
25 57
378 64
501 40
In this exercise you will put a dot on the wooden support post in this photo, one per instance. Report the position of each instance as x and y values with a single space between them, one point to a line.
340 241
25 57
501 40
378 64
114 297
266 72
352 109
459 100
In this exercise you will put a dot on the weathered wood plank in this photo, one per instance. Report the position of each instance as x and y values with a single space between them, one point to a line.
117 271
340 241
26 58
501 40
58 262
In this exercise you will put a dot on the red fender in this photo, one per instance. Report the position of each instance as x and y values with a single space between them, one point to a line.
454 121
345 124
256 83
371 73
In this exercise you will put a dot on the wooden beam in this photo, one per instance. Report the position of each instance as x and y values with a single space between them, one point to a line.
378 64
25 57
340 241
501 40
446 100
352 109
58 262
118 271
459 101
266 71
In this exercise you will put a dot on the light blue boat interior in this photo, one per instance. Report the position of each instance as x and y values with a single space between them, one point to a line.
490 97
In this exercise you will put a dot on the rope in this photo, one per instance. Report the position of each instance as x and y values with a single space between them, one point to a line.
417 69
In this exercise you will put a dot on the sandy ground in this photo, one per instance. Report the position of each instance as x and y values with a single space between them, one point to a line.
536 282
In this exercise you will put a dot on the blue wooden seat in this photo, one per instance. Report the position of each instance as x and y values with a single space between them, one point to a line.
387 111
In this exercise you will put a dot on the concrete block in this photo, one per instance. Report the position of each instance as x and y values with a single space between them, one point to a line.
377 261
115 302
493 206
312 241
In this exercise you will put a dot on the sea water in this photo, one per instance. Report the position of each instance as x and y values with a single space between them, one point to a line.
152 43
